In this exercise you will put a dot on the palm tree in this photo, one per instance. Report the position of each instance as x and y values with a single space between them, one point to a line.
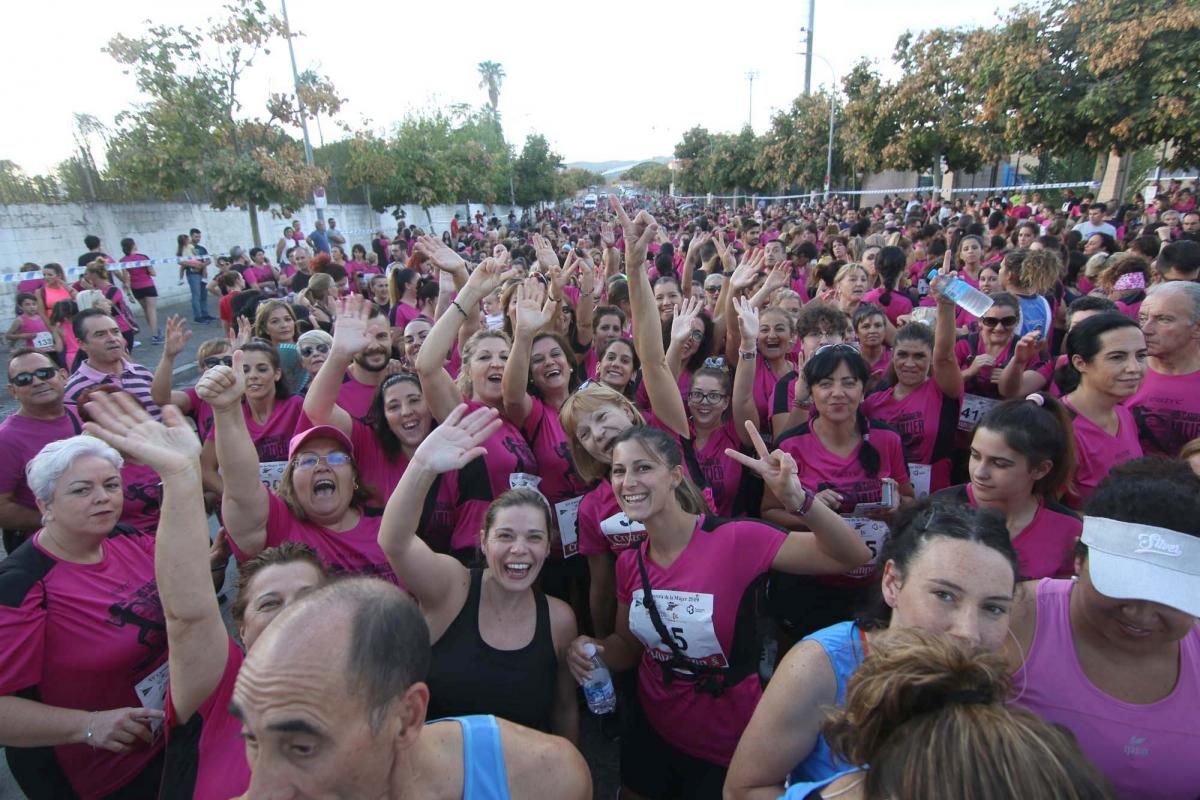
491 75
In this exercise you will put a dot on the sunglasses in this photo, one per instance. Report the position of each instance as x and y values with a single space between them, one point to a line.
998 322
838 346
216 361
308 350
311 460
41 373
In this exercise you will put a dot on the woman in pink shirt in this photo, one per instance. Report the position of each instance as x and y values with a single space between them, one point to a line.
205 752
678 596
889 264
1106 362
870 328
53 291
1022 459
1113 654
141 285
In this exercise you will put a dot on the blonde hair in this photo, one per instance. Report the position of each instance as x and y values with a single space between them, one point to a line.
589 400
468 353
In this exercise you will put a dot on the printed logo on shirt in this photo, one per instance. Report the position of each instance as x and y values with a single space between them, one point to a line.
1165 430
563 451
272 448
911 428
1155 543
520 450
142 609
621 531
1137 747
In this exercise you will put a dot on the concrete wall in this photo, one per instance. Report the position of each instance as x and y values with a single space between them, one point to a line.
54 233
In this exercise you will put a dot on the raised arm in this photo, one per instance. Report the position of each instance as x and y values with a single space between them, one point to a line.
197 643
245 501
532 317
745 410
691 262
1015 379
945 365
349 339
439 582
661 386
585 311
681 332
175 343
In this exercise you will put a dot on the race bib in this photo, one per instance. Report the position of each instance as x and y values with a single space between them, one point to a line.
271 473
920 474
688 618
567 512
43 340
973 409
523 480
152 691
621 531
874 534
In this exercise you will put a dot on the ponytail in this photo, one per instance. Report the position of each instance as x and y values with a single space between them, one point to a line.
1040 429
890 264
868 456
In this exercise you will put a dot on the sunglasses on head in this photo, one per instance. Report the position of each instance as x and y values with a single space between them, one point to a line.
309 349
998 322
836 346
216 361
41 373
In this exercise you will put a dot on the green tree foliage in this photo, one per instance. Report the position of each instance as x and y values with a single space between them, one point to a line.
17 187
693 153
534 172
651 175
193 129
865 126
574 180
1101 74
794 151
491 77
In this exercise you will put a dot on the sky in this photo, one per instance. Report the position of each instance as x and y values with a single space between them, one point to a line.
613 81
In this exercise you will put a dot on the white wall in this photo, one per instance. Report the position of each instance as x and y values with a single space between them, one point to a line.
41 233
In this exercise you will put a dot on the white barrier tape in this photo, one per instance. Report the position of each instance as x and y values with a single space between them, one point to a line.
114 266
963 190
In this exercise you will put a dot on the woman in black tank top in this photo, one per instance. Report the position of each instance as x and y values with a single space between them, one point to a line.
499 644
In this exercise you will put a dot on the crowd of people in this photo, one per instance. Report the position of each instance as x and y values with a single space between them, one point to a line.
833 534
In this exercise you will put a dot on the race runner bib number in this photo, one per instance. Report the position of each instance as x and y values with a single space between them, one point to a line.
621 531
688 618
567 512
152 691
874 534
973 409
43 340
920 475
271 473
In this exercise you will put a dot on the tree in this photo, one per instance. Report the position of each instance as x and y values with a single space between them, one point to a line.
651 175
731 162
534 172
193 129
491 76
693 152
425 174
370 164
794 151
865 126
1109 75
17 187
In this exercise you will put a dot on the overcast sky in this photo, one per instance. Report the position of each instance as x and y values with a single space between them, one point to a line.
617 80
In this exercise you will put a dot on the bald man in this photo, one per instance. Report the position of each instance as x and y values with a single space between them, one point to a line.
333 704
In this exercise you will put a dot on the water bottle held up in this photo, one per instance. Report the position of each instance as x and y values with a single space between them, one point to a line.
963 294
598 688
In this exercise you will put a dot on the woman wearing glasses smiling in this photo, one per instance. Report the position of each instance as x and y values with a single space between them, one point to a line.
320 496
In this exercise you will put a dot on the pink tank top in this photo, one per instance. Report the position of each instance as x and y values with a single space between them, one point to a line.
1148 752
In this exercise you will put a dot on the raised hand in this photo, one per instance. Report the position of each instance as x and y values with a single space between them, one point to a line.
242 333
350 333
487 277
746 273
681 324
777 469
638 233
458 440
978 363
437 253
166 447
607 237
747 318
177 336
544 252
222 387
779 276
532 314
1028 346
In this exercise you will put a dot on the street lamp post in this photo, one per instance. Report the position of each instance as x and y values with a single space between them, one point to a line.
832 111
287 32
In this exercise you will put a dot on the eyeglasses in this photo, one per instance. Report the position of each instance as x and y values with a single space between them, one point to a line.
711 398
216 361
310 460
696 336
308 350
998 322
41 373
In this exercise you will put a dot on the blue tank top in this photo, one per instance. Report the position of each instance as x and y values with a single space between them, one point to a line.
843 646
484 776
812 790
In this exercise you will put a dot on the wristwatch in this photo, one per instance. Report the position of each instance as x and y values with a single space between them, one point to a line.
806 506
747 355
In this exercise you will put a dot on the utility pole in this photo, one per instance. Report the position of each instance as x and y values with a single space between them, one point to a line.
750 76
808 50
287 31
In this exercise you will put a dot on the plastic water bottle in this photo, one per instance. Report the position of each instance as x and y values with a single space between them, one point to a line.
964 295
598 688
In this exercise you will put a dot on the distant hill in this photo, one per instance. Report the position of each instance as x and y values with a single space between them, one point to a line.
613 167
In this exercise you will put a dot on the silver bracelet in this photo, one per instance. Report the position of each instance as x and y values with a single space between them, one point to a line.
90 737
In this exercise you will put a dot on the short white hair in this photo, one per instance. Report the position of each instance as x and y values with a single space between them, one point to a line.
44 470
315 336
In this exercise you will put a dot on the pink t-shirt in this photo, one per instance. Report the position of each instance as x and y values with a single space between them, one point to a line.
272 436
603 526
355 397
722 474
1147 751
353 551
139 277
510 463
212 766
143 497
83 636
927 421
201 414
1046 546
1167 410
898 304
765 382
403 313
1097 451
561 483
698 597
22 438
35 331
878 369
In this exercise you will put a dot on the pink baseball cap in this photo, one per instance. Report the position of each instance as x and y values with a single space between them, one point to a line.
320 432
